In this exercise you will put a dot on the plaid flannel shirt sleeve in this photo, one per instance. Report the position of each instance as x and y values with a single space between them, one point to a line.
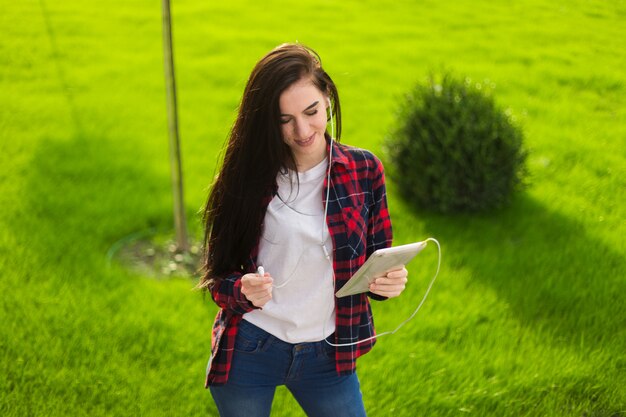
227 294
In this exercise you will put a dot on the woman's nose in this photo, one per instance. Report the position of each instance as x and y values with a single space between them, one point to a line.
301 129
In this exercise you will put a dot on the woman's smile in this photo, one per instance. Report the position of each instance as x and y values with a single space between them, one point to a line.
306 142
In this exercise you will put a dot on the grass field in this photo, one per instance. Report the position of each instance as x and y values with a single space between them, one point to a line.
528 317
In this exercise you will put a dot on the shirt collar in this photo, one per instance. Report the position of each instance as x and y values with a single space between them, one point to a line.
338 156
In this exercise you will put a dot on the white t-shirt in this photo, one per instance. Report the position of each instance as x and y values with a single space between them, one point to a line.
290 249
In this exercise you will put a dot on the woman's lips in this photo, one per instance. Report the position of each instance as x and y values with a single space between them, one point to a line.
307 141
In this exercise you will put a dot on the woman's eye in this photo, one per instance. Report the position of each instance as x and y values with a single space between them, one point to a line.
310 113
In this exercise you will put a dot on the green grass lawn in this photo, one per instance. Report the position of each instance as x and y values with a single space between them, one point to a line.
528 316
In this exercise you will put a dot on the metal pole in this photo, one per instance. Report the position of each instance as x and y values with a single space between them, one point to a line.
180 222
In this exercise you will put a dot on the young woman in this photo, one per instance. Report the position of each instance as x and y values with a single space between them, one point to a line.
290 199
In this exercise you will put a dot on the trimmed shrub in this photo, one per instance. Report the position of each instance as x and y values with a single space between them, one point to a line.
454 150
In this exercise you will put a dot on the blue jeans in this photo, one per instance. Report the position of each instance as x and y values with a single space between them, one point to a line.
261 362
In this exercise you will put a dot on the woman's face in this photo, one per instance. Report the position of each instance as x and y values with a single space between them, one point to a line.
303 122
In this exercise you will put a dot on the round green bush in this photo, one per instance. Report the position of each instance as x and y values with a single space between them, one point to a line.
454 150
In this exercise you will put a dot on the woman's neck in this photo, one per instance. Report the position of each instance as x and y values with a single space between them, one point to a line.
308 163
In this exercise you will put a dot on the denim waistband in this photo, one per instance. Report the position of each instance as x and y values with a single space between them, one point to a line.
319 346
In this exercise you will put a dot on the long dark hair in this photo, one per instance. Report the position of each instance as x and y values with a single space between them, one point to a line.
255 153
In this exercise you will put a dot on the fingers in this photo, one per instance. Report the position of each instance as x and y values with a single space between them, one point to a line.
257 289
397 273
256 279
391 285
388 291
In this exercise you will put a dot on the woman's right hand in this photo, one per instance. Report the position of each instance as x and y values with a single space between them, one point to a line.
257 289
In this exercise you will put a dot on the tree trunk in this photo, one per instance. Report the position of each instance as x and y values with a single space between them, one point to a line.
180 222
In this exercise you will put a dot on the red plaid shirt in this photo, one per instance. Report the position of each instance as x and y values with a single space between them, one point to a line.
358 222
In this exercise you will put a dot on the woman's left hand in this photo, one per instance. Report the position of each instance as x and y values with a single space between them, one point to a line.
390 285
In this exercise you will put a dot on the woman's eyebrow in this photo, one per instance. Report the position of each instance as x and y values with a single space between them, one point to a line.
310 107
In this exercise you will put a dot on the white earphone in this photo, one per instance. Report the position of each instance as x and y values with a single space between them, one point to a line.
330 160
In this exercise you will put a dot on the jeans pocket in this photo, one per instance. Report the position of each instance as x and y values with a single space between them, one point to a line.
248 340
246 346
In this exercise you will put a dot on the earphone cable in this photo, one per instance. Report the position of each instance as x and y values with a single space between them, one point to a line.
432 281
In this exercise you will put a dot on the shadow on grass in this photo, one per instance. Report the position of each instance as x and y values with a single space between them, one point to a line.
545 266
84 193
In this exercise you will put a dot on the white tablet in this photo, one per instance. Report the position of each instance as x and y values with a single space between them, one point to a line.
377 265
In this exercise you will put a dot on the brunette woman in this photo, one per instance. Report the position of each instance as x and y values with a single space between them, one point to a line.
294 202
